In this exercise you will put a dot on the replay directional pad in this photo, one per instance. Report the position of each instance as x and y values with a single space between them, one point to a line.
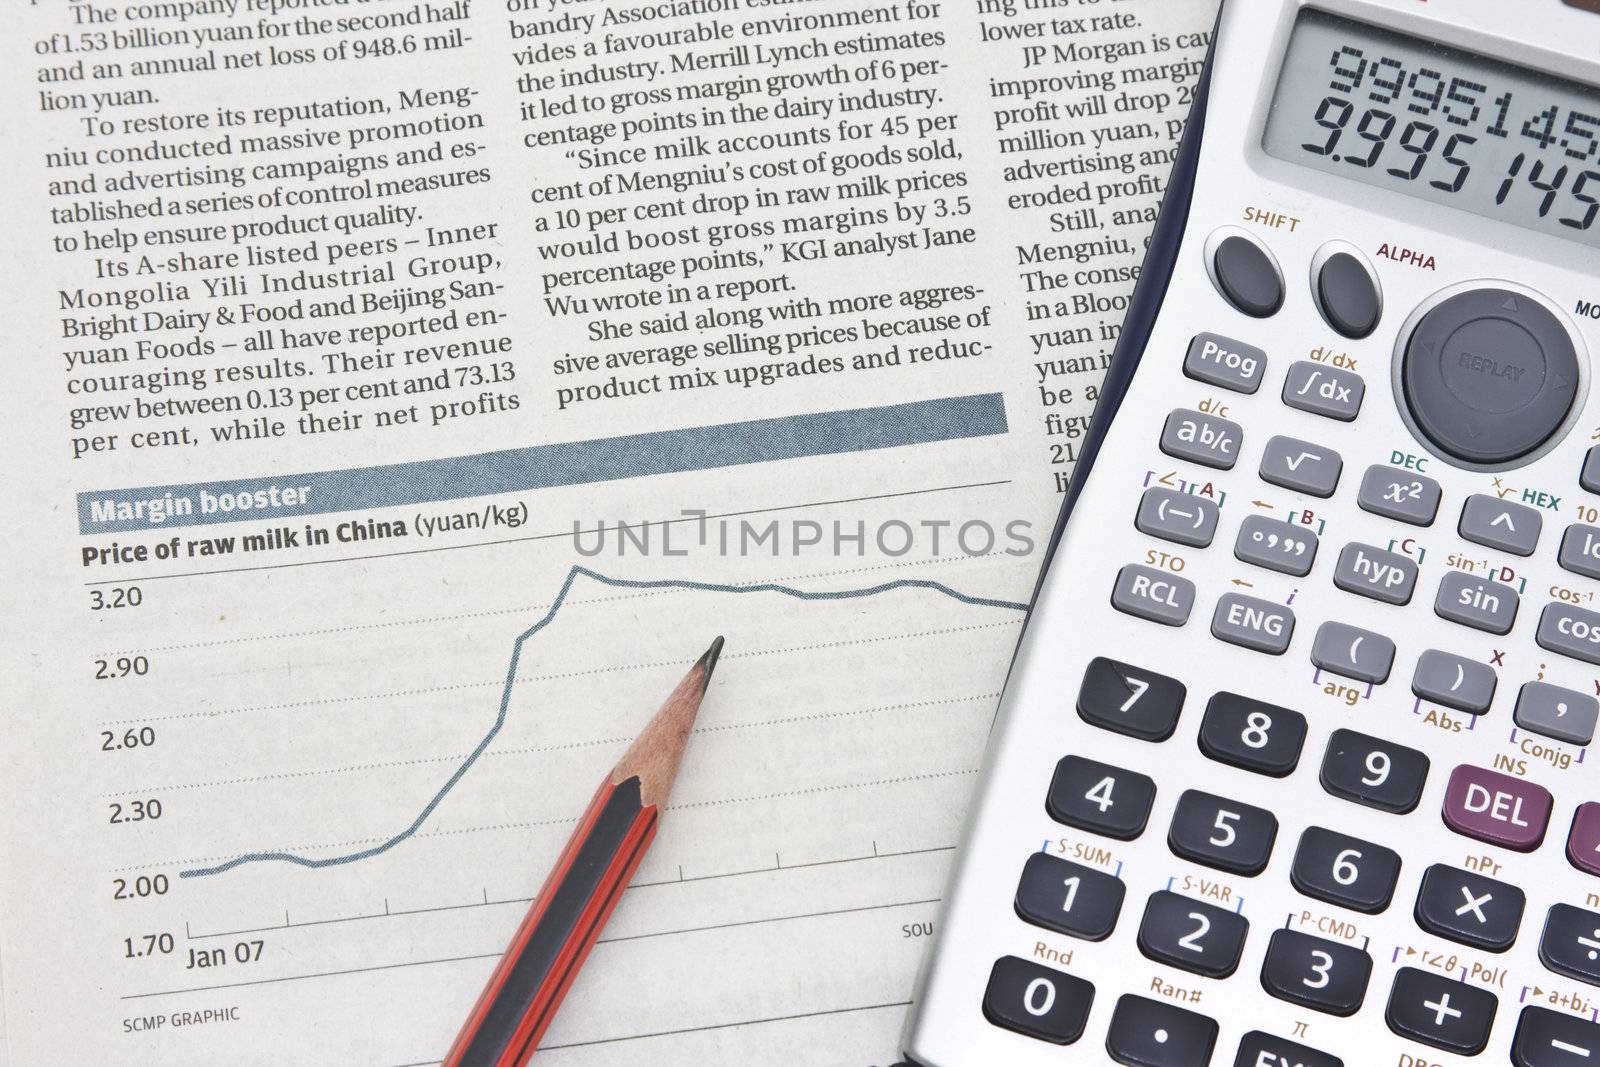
1489 376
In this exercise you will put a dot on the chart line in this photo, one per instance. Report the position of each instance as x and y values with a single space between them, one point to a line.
580 571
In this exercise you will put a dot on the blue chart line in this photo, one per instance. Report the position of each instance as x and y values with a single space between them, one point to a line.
511 674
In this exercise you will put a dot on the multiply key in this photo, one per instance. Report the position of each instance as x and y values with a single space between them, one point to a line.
1497 808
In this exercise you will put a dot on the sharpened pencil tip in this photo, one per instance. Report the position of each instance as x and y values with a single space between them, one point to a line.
709 662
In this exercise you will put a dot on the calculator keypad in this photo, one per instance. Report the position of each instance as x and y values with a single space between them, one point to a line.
1570 943
1181 518
1069 898
1252 734
1100 798
1279 546
1253 623
1469 908
1192 936
1346 871
1222 361
1150 1033
1324 390
1570 631
1441 1012
1497 808
1375 573
1153 594
1480 603
1583 843
1241 532
1353 652
1217 832
1130 700
1399 494
1374 772
1555 712
1455 681
1302 466
1502 524
1316 973
1548 1038
1203 439
1037 1001
1259 1048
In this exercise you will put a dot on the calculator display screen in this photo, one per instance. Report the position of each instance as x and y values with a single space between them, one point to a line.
1441 124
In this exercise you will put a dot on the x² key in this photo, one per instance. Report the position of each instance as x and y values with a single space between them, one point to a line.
1497 808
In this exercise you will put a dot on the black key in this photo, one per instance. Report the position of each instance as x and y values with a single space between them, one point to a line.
1069 898
1263 1050
1030 999
1150 1033
1100 798
1469 908
1548 1038
1440 1011
1248 277
1220 833
1377 773
1571 943
1315 973
1252 734
1346 871
1192 936
1130 700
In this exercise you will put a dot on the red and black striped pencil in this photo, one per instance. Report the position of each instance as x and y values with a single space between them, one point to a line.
527 986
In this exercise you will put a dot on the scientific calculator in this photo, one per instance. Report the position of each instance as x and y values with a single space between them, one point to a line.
1293 768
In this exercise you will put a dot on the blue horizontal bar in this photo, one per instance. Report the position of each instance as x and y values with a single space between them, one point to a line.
544 466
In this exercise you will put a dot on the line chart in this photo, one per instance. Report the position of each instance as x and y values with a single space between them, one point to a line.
578 571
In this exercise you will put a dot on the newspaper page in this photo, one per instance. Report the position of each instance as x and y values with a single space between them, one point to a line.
402 393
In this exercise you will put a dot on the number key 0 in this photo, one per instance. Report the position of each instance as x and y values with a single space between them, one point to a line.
1034 1000
1252 734
1377 773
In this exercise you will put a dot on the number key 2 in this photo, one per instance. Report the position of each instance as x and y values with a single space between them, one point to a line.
1195 937
1373 772
1100 798
1252 734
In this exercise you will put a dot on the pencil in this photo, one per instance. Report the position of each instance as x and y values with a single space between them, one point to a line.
566 917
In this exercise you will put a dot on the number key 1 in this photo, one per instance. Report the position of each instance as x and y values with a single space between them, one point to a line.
1069 898
1373 772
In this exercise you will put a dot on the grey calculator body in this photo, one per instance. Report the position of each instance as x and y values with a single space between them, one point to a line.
1294 764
